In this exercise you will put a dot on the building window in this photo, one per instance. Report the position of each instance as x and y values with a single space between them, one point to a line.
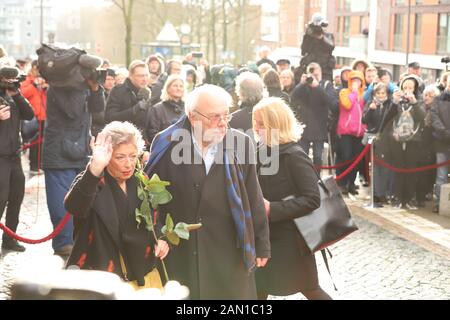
398 30
443 44
339 30
346 32
417 33
359 5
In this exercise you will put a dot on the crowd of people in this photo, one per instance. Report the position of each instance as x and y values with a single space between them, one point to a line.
139 114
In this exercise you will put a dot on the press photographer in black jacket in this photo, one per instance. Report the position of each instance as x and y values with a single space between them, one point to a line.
13 108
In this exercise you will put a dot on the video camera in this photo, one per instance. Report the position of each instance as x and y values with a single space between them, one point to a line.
10 78
310 77
96 75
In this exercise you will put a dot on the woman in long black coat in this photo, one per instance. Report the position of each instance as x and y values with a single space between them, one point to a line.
290 192
104 198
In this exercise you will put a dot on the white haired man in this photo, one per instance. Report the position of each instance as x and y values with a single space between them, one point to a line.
213 186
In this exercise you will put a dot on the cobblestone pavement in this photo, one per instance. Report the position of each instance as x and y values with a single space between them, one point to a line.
370 264
375 264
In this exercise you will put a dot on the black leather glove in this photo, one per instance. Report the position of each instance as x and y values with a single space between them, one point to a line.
144 94
142 106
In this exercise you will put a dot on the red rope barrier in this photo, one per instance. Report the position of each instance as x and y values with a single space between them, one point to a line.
337 166
55 232
29 145
354 164
412 170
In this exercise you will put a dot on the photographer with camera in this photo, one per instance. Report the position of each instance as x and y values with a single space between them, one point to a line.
66 137
34 89
130 101
311 100
317 46
405 118
13 108
374 114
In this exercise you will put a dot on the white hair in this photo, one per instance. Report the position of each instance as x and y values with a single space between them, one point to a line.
213 91
249 87
431 88
124 132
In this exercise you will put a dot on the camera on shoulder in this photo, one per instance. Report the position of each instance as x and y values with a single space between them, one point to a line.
11 78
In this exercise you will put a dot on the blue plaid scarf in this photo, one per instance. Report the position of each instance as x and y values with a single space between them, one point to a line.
236 191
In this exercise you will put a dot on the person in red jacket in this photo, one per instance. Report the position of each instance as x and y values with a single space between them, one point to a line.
34 89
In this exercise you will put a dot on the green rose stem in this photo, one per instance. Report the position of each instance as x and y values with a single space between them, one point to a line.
153 193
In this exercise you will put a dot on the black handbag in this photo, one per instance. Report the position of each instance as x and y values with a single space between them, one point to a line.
330 222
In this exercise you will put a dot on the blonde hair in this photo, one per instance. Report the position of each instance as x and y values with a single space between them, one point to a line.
279 122
136 64
170 80
124 132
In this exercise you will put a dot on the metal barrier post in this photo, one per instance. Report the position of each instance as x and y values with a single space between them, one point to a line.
371 141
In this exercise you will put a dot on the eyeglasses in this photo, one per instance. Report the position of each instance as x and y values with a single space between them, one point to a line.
217 117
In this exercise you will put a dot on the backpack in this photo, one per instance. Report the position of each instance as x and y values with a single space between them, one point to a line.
60 66
404 126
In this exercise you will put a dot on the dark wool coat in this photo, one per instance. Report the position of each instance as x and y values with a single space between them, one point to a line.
210 262
312 106
242 119
99 235
161 116
440 121
121 105
67 130
292 267
20 109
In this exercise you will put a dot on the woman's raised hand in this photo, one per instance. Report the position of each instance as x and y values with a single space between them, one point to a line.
101 154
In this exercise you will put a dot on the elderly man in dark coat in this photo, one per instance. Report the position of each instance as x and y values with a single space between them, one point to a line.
249 89
213 182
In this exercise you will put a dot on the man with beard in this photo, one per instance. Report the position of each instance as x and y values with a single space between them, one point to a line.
213 181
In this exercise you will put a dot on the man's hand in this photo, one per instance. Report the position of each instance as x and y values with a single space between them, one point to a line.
92 85
261 262
144 93
397 96
315 83
303 78
5 112
12 93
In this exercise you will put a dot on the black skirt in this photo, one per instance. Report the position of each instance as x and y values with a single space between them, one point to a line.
290 270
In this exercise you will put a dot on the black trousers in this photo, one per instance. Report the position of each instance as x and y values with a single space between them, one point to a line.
12 190
405 183
36 150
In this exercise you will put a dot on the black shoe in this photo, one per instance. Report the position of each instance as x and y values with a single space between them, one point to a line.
377 205
436 209
64 251
12 245
352 190
343 190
